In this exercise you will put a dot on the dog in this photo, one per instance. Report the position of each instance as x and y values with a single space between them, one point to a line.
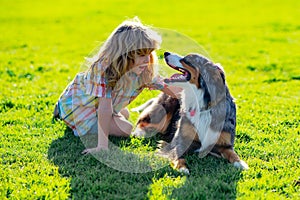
160 116
207 119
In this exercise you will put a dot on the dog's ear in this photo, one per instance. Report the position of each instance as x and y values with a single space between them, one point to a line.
215 81
206 96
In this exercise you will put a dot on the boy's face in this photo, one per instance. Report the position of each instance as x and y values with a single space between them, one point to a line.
140 63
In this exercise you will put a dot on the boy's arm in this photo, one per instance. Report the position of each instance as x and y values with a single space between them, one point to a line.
104 121
158 84
173 91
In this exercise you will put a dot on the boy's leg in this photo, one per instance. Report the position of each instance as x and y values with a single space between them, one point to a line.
120 126
125 113
56 115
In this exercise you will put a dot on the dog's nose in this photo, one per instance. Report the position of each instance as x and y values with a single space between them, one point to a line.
166 54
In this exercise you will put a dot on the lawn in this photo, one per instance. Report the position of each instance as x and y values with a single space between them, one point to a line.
43 45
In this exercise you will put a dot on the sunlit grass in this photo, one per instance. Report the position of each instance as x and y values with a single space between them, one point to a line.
43 45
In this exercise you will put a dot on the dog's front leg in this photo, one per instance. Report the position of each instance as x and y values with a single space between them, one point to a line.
185 140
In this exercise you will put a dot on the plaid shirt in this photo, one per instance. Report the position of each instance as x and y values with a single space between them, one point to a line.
78 103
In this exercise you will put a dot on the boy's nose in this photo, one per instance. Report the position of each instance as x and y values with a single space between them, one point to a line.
147 59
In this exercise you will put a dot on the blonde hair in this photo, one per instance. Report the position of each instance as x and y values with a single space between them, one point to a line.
116 55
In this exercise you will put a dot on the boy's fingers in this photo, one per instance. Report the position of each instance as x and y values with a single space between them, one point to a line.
85 152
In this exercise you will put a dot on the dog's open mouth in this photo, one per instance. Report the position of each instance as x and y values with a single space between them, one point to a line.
179 77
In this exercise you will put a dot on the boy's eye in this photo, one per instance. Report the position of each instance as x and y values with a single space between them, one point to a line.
142 54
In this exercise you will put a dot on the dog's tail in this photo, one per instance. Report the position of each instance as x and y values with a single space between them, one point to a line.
143 106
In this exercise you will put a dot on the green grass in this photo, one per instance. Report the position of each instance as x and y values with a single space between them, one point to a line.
43 45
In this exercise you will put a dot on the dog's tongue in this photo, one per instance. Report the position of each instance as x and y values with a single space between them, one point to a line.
177 76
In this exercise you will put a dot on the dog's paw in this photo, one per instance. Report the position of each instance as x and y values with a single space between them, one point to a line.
138 132
184 170
215 154
241 165
162 144
137 110
143 106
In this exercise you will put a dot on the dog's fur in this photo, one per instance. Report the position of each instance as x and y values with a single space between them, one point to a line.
208 113
159 115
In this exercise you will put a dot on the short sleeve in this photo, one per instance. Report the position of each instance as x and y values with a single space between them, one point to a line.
96 83
157 83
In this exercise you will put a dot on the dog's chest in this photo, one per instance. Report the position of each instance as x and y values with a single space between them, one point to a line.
192 108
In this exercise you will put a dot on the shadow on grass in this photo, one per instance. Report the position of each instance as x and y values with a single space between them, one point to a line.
91 179
210 178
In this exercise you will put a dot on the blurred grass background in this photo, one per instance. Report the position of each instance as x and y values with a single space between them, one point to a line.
43 45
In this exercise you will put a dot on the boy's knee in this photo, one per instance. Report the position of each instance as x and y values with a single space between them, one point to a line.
125 113
126 129
121 127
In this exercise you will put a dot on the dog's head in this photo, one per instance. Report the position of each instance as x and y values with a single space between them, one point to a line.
199 73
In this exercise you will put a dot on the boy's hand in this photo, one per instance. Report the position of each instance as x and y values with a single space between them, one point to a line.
93 150
175 90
